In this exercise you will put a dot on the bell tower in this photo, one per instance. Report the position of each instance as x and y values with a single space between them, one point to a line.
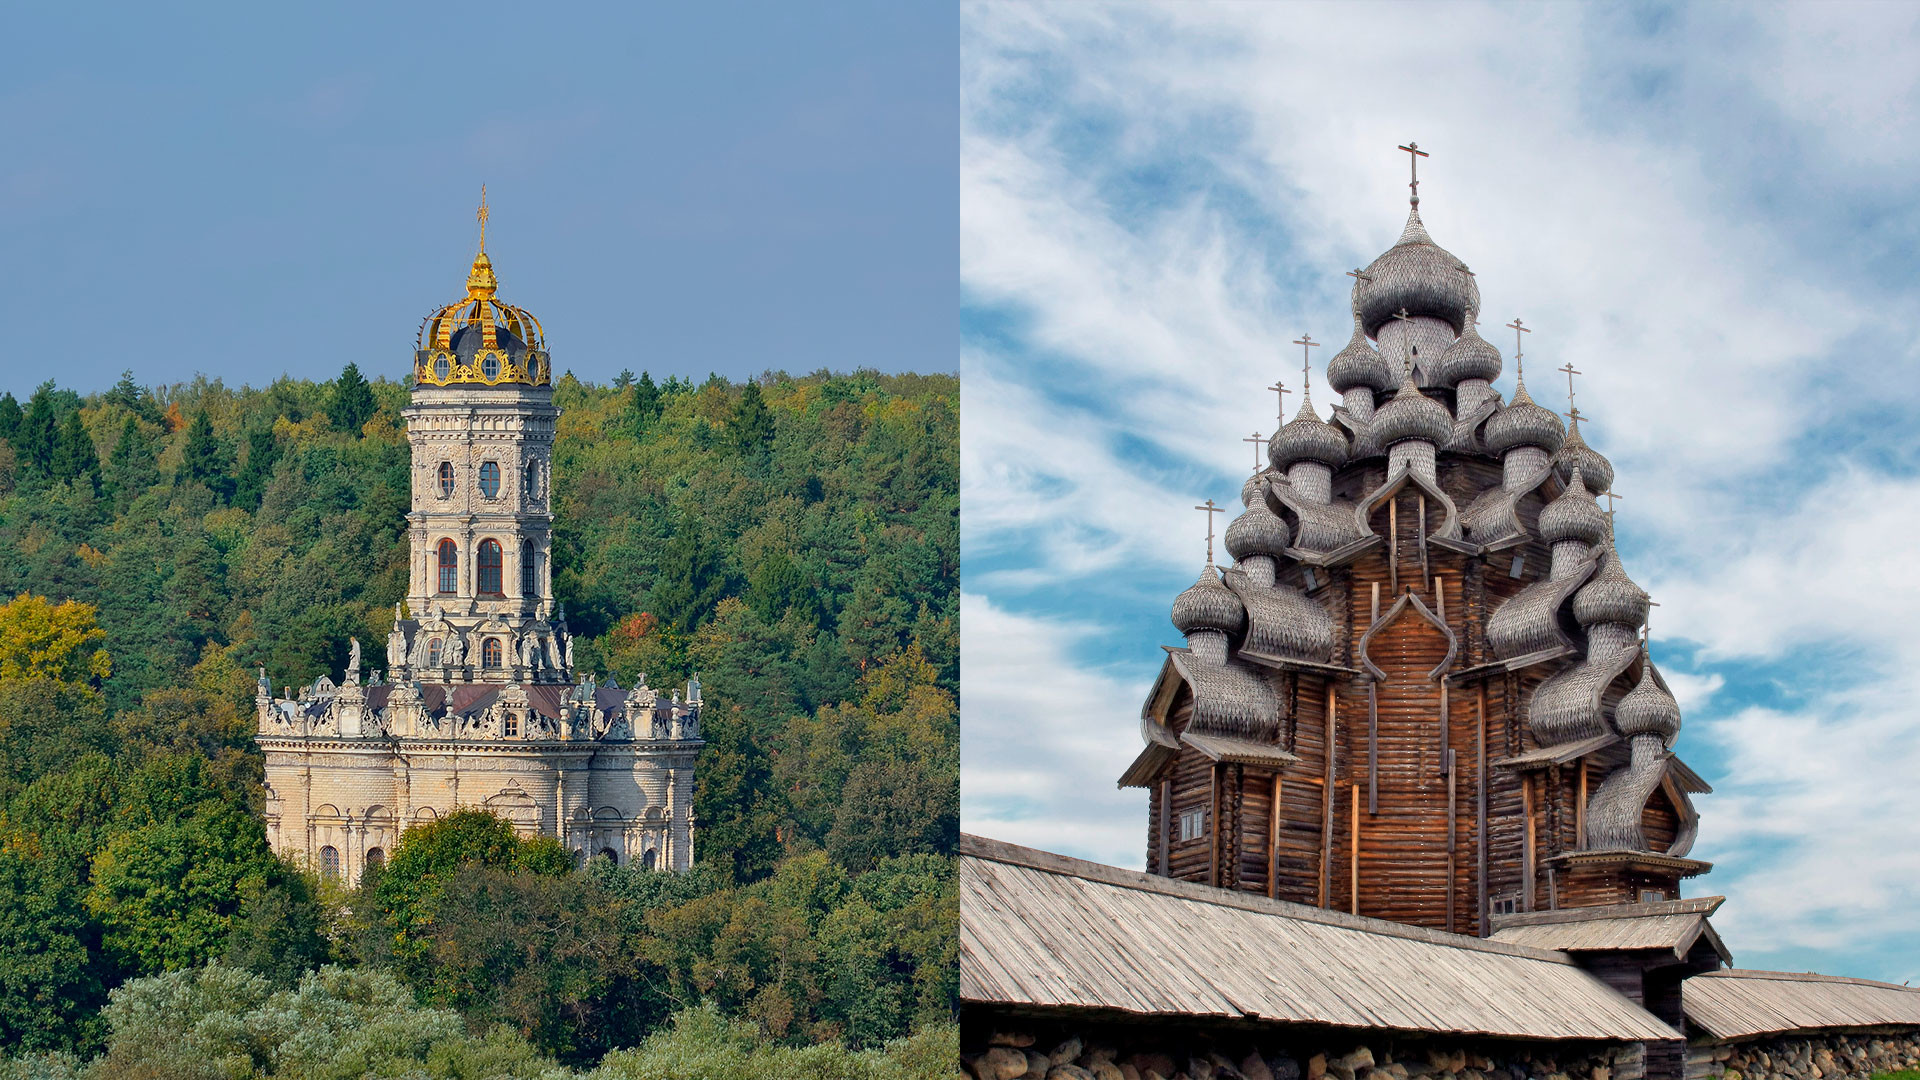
481 428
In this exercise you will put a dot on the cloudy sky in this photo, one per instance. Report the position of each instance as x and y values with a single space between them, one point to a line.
245 190
1709 210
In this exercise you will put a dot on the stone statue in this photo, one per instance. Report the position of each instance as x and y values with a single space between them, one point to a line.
553 652
263 689
456 651
569 653
526 652
353 655
419 657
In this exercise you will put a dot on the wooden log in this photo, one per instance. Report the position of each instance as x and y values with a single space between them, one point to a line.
1426 584
1376 603
1393 543
1580 811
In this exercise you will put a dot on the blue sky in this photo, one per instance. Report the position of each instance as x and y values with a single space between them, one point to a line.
1710 210
244 190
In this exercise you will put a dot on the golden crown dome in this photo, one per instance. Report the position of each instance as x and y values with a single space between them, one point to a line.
478 340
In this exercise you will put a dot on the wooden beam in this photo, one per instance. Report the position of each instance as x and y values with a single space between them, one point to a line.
1452 845
1373 747
1480 810
1526 870
1354 856
1273 841
1580 811
1393 542
1376 605
1426 583
1213 845
1166 819
1326 805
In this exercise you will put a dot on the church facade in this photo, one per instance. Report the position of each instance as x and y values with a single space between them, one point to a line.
479 704
1422 690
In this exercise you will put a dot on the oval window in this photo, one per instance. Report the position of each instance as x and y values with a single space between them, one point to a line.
490 479
446 479
530 482
490 366
441 367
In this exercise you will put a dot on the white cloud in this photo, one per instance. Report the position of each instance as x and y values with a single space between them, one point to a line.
1045 738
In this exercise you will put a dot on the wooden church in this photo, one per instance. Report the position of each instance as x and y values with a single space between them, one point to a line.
1422 690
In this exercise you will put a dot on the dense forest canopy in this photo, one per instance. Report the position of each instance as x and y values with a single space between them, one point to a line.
794 541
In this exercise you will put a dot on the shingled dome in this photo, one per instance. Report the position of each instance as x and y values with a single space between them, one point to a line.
1523 423
1611 597
1412 415
1417 276
1359 363
1208 605
1647 709
1575 455
1259 531
1469 357
1573 516
1308 438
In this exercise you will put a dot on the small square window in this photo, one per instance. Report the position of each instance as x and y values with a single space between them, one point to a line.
1505 905
1519 566
1307 575
1652 896
1193 824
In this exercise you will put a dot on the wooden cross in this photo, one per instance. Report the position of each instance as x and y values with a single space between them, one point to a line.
1280 388
1412 349
1211 508
1413 149
1646 628
1571 372
482 214
1520 368
1610 496
1357 275
1307 344
1575 415
1258 441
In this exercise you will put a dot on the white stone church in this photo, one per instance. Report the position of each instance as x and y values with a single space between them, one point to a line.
478 704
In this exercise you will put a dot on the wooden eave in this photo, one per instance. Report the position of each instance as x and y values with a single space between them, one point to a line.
1288 663
1642 861
1555 755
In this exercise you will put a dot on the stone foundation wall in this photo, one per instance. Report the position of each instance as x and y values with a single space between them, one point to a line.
1012 1049
1805 1057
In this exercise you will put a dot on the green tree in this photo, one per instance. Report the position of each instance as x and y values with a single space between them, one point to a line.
351 403
263 452
643 404
281 930
750 431
693 577
167 890
10 416
74 456
51 983
38 434
204 460
396 912
130 468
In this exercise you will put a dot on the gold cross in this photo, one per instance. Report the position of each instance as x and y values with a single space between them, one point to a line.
1413 149
1571 372
1258 441
1211 508
482 214
1280 388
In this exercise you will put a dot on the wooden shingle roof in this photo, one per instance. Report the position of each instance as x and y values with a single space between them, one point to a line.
1043 931
1737 1004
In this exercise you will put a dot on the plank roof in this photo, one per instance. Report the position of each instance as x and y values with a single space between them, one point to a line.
1671 925
1737 1003
1039 930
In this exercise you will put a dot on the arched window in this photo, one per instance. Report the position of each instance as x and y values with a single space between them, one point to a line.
446 479
529 571
449 568
647 860
610 855
490 649
490 365
530 480
490 478
441 366
579 859
329 862
376 858
490 561
433 652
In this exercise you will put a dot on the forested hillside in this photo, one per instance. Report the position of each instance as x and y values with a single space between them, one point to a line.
794 541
